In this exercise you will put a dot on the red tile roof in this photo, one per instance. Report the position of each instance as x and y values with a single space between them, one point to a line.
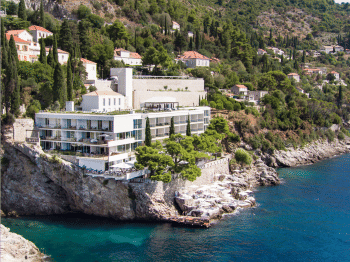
175 23
135 55
86 61
193 55
103 93
17 39
58 50
333 72
241 86
38 28
293 74
14 32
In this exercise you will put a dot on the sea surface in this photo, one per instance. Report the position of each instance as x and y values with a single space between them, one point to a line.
306 218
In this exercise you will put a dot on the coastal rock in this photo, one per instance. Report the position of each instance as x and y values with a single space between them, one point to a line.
15 248
312 153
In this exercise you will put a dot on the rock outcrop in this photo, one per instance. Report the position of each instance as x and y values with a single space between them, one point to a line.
15 248
314 152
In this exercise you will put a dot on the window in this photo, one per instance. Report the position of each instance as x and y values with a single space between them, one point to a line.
119 101
109 101
62 57
39 34
115 101
104 101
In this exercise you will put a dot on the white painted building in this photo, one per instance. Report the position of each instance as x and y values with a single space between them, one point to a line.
194 59
23 51
23 34
261 52
294 76
106 140
331 49
276 50
39 32
336 75
239 90
90 68
103 101
176 26
129 58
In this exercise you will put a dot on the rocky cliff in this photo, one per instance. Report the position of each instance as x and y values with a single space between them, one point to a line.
15 248
311 153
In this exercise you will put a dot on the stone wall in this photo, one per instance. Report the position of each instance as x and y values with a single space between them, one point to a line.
18 132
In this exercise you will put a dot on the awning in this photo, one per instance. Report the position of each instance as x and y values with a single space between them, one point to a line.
122 165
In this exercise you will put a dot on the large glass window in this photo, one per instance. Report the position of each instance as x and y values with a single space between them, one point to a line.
104 101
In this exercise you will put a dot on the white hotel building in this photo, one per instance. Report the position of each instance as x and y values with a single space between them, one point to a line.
106 139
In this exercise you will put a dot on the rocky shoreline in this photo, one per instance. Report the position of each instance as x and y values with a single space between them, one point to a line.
15 248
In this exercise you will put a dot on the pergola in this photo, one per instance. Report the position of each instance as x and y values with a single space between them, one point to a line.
161 105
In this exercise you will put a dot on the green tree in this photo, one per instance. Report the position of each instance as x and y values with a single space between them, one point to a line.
83 12
50 59
188 128
13 50
65 38
84 38
42 57
117 32
148 136
22 12
14 87
59 86
340 96
42 14
54 50
69 80
172 127
243 156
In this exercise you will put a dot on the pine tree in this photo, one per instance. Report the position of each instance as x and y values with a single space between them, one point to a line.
172 127
42 57
197 40
42 14
59 87
54 50
6 81
16 96
13 50
340 96
69 80
188 128
22 12
50 59
84 38
304 57
148 137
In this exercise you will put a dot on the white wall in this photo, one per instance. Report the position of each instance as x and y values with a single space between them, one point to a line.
92 163
91 71
125 83
26 36
89 103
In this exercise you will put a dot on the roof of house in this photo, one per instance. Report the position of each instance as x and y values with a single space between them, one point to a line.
17 39
241 86
103 93
293 74
333 72
58 50
14 32
261 50
312 69
192 55
299 88
86 61
38 28
135 55
176 23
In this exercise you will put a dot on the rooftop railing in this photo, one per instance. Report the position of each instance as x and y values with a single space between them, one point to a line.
163 77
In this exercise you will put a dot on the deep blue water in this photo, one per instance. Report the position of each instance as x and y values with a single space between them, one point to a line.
307 218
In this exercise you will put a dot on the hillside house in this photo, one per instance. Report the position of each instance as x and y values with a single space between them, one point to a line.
176 26
194 59
239 90
332 49
103 101
23 51
129 58
39 32
90 68
276 50
261 52
256 96
294 76
311 71
23 34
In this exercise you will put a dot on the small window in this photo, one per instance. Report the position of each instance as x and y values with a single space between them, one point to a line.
119 101
115 101
39 34
104 101
109 101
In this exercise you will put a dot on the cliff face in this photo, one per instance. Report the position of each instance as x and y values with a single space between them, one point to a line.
15 248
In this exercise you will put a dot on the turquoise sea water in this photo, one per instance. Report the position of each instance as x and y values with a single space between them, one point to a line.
307 218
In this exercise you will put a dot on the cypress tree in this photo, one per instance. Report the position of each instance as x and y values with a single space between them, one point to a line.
54 50
13 50
65 38
199 100
165 26
59 87
42 14
42 57
172 127
4 45
84 38
7 82
188 129
69 80
22 12
304 57
197 40
15 96
340 96
148 136
50 59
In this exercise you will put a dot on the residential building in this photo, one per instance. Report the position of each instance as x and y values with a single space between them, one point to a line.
157 92
336 75
39 32
294 76
106 140
90 68
23 34
276 50
190 34
193 59
103 101
332 49
261 52
129 58
176 26
23 51
239 90
63 56
311 71
255 96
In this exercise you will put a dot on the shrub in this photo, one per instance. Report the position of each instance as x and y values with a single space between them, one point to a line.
212 104
233 137
341 136
330 135
243 156
105 182
220 106
54 159
8 119
237 107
